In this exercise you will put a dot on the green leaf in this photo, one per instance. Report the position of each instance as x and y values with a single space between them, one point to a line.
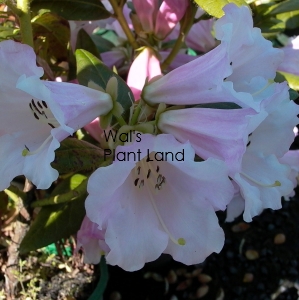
214 8
293 94
102 44
84 41
70 183
293 80
283 7
78 10
55 222
291 19
75 156
54 33
90 68
219 105
100 289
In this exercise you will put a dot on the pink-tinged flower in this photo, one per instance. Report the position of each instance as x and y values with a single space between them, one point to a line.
263 179
145 66
250 53
150 206
198 81
178 61
91 239
290 63
217 133
274 134
160 19
235 208
94 129
115 57
146 11
42 114
200 36
291 158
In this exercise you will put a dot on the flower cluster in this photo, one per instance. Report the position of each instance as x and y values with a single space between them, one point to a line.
211 134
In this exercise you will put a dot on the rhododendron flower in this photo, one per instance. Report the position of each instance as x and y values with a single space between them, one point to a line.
91 239
160 19
291 158
150 206
200 36
145 66
290 63
42 114
217 133
263 179
182 85
250 54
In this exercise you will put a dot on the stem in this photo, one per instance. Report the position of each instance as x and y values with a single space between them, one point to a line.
25 21
186 24
13 8
136 114
120 120
118 11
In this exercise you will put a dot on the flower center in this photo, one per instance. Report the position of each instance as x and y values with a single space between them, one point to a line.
42 113
150 176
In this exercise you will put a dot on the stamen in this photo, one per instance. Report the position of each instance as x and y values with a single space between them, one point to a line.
141 183
152 187
26 151
180 241
276 183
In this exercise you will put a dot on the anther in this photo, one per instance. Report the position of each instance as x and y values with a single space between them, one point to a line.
44 104
248 143
136 181
157 170
148 173
141 183
33 103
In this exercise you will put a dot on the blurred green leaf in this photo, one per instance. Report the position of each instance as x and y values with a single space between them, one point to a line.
53 223
293 94
56 221
54 33
75 156
84 41
90 68
219 105
78 10
283 7
291 19
214 8
293 80
102 44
